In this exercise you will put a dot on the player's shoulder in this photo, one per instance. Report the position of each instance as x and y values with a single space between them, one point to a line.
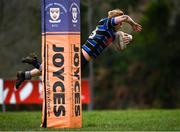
103 20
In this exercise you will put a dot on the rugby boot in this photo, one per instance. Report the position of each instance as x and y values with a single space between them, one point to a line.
20 79
32 60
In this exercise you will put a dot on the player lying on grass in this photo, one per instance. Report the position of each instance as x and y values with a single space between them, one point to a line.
105 34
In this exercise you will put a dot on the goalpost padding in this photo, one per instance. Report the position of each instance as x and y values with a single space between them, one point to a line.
61 71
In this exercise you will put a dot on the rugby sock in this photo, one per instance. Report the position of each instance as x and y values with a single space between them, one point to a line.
27 75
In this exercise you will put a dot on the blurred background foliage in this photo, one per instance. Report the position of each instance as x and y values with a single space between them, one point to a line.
145 75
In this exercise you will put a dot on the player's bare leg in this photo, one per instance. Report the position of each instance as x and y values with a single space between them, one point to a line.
26 75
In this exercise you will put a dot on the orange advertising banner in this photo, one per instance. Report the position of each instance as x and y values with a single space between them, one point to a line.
61 71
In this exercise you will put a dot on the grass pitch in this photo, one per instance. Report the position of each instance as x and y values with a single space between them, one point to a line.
134 120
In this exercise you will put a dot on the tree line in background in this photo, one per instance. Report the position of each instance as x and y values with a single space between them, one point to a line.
145 75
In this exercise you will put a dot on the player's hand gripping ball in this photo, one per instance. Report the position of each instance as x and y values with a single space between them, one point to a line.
121 40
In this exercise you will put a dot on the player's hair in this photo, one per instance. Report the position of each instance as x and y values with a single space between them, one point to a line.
115 12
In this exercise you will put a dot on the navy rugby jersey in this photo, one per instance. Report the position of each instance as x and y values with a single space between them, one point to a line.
101 37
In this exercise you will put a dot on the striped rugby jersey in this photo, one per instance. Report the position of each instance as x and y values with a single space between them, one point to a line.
101 37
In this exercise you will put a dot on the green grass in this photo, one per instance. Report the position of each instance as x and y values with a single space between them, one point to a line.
100 120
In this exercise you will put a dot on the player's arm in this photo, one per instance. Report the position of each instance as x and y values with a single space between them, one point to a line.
125 18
